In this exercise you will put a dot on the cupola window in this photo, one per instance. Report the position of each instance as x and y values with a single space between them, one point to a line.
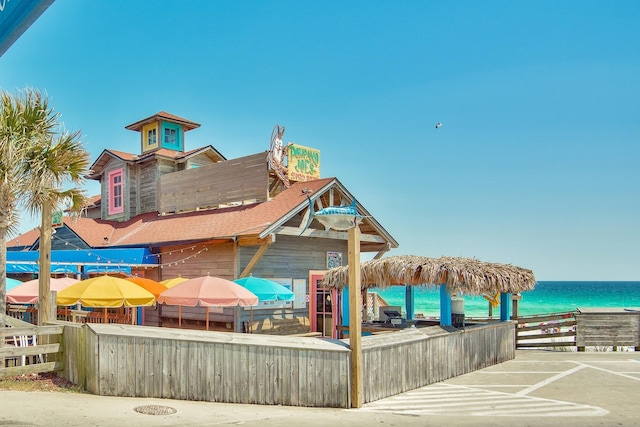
151 137
170 136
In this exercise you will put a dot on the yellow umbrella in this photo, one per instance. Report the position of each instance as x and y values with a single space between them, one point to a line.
170 283
105 291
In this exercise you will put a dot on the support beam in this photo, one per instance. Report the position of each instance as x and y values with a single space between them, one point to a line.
383 251
355 318
505 307
445 306
409 297
331 234
263 248
305 218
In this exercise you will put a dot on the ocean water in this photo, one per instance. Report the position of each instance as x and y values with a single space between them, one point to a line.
546 298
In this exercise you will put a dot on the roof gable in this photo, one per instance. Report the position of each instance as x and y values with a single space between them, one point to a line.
187 125
258 219
103 159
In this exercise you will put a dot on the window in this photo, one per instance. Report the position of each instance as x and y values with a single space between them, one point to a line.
170 136
116 187
151 137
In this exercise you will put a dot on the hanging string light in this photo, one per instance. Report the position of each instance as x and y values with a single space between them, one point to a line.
102 259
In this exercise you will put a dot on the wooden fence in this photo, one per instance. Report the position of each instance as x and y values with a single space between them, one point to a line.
29 349
119 360
608 327
123 360
398 362
591 327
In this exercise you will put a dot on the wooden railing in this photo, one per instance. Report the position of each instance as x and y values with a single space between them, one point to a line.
29 314
548 330
28 349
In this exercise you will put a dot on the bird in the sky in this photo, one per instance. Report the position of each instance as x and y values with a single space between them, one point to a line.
438 125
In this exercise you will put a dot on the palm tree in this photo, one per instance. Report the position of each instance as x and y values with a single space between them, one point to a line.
52 163
22 118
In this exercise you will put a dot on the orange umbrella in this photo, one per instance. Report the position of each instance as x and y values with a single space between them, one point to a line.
28 292
156 288
207 291
170 283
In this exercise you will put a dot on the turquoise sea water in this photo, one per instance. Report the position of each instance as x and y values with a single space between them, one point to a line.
547 297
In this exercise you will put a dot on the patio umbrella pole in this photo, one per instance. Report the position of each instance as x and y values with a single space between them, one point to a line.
105 315
207 327
179 316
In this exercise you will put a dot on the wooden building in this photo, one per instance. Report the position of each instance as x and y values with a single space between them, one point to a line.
200 213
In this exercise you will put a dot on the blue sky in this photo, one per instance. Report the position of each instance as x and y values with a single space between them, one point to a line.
536 163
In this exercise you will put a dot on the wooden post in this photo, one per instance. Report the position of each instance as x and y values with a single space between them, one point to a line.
355 318
53 305
409 298
445 306
504 306
44 267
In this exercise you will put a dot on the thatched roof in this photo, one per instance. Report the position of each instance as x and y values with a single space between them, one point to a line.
468 275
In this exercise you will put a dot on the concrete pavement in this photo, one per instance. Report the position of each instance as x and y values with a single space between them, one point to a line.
537 388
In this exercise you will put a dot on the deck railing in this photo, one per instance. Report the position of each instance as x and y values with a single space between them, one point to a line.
29 349
546 331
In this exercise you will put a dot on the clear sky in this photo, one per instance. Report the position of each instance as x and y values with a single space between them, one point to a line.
537 161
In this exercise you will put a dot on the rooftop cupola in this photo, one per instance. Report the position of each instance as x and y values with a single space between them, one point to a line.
162 130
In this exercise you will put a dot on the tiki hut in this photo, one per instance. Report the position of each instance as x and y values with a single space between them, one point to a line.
467 275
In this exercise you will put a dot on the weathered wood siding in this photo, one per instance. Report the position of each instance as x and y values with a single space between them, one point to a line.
292 256
124 360
196 161
607 328
217 260
398 362
74 346
288 257
146 185
112 165
237 181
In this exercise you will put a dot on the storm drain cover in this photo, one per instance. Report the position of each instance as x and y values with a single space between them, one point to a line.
155 410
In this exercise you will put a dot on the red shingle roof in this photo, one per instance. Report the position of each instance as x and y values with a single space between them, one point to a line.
150 228
163 115
26 239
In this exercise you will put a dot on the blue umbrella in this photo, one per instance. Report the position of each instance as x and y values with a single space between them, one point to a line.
265 289
12 283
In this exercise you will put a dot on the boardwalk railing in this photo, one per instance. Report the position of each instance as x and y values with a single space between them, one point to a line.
548 330
29 349
608 327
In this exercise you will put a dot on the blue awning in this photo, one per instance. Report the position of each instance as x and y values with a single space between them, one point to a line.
92 260
21 268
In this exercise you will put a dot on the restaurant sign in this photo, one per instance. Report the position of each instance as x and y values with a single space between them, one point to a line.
303 163
56 219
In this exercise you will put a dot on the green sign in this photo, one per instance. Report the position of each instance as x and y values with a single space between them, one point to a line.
56 217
